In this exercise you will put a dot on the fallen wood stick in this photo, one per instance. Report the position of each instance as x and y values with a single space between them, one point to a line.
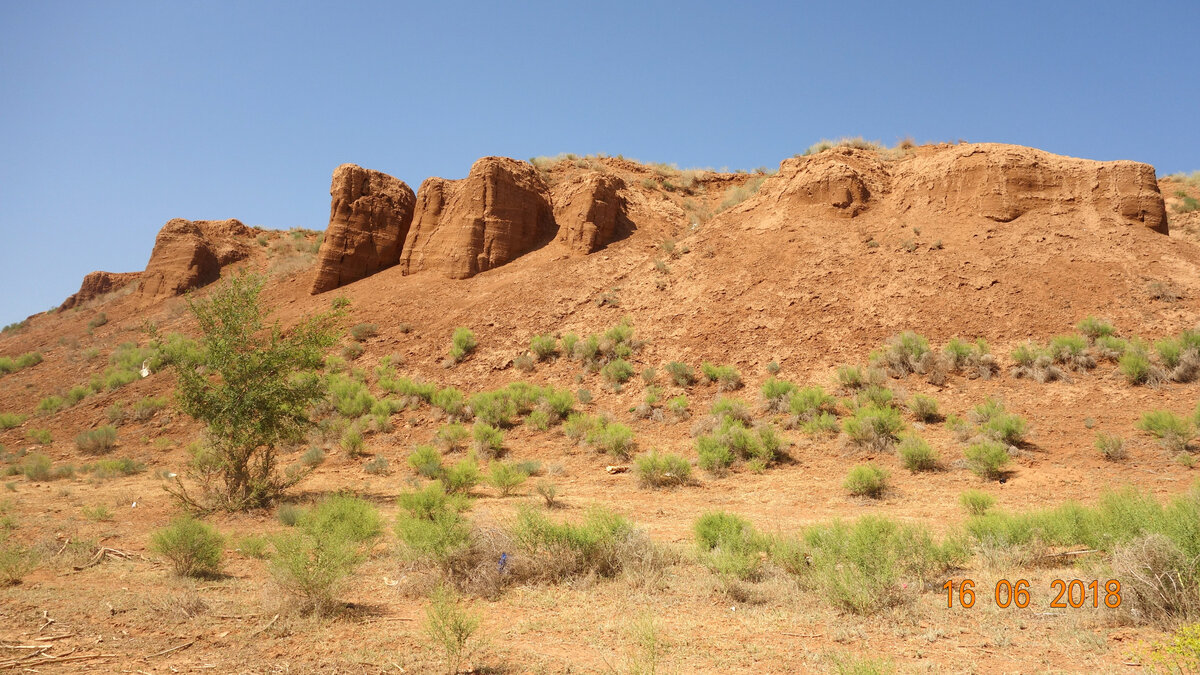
82 657
803 635
3 646
48 638
172 649
269 624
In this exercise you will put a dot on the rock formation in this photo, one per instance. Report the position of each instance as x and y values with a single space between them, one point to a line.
590 212
500 211
97 284
190 254
369 217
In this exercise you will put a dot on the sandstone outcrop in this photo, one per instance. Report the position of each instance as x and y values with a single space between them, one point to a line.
190 254
1004 182
837 182
590 212
369 217
97 284
460 228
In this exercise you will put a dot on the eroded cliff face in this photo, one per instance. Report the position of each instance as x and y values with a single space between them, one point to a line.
590 212
369 217
96 284
500 211
189 254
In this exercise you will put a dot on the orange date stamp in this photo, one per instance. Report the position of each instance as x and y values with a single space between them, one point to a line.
1073 593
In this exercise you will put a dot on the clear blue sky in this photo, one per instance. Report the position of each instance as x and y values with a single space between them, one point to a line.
117 116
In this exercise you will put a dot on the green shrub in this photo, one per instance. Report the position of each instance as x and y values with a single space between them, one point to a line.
681 373
987 459
777 393
96 441
290 514
902 354
194 548
505 477
612 437
729 545
1172 431
363 331
714 456
377 466
1112 348
254 546
51 405
602 544
112 468
450 629
617 372
867 480
851 378
426 460
313 458
657 470
15 562
822 423
1093 328
810 402
495 408
875 428
11 420
1005 427
462 476
1110 447
543 346
311 561
41 436
876 396
462 343
726 377
1135 365
37 467
75 395
350 397
975 502
924 408
678 406
450 436
450 401
916 455
1071 351
430 525
352 441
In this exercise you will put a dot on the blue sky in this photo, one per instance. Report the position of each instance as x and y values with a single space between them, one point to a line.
118 116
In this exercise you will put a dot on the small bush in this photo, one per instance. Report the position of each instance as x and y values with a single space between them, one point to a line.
289 515
377 466
851 378
363 331
729 545
462 344
505 477
681 373
489 441
15 563
873 427
1093 328
548 491
617 372
1110 447
451 629
867 480
924 408
313 560
11 420
146 408
678 407
1005 427
51 405
612 437
987 459
450 436
426 460
903 354
975 502
657 470
313 458
96 441
1171 430
193 547
916 455
726 377
450 401
494 408
543 346
112 468
1137 369
1071 351
41 436
777 394
352 441
350 397
462 476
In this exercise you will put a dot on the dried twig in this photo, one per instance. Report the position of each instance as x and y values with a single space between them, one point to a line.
269 624
172 649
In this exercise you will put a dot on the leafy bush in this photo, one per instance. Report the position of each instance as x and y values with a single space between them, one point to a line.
505 477
450 629
987 459
313 458
657 470
873 427
678 407
312 560
111 468
777 394
729 545
850 378
450 401
1173 431
810 402
462 476
1071 351
867 480
924 408
495 408
363 331
41 436
603 544
905 353
51 405
194 548
916 455
612 437
617 372
1005 427
450 436
681 373
975 502
1137 369
96 441
352 441
377 466
462 343
1093 328
1110 447
430 524
726 377
426 460
15 563
715 456
543 346
11 420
